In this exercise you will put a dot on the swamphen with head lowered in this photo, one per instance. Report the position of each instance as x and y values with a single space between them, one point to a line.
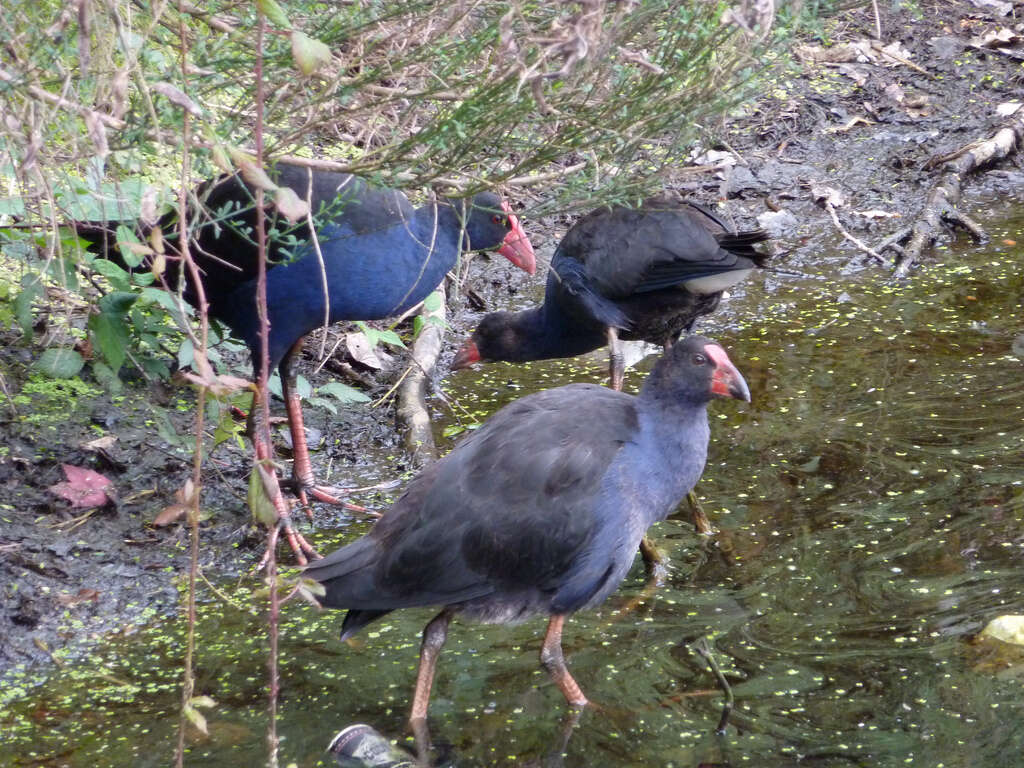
381 257
540 511
641 273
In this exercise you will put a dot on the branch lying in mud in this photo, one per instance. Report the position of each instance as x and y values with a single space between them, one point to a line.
830 198
940 205
412 405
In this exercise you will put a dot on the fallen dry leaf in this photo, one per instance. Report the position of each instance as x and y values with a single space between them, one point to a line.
822 194
183 501
83 595
361 351
998 38
84 488
104 443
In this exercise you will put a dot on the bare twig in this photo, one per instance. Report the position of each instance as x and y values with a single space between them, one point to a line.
861 245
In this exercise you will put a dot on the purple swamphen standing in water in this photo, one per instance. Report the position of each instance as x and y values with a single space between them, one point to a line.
381 257
539 512
622 273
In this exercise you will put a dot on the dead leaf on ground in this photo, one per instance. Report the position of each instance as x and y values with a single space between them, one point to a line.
822 195
104 443
360 349
183 502
82 596
998 38
863 51
84 488
1008 108
855 73
916 104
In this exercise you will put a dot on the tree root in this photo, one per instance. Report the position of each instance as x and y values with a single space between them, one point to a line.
413 418
940 205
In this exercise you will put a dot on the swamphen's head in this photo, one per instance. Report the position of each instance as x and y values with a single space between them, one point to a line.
496 338
696 370
490 224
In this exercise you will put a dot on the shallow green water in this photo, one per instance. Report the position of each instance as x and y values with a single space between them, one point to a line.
870 503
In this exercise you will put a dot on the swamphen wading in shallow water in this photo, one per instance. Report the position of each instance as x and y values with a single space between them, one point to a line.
381 257
622 273
540 511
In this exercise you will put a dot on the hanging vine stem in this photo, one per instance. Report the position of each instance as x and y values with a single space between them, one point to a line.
188 711
262 425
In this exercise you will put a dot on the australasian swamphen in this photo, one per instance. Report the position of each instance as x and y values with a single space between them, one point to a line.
381 257
540 511
625 273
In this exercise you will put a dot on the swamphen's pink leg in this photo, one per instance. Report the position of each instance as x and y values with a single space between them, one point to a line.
434 635
265 454
302 467
554 662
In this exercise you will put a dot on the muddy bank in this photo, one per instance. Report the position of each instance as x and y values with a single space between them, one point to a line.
868 127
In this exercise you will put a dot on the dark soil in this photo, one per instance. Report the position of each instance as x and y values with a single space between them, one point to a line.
69 577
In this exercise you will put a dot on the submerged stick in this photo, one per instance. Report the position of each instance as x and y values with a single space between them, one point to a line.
701 646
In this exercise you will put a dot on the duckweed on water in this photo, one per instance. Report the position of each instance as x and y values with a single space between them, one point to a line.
869 502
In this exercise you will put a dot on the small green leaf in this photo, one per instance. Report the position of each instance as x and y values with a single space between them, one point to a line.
107 377
118 277
111 336
165 300
343 392
117 302
60 363
31 287
433 302
323 402
389 337
186 353
308 53
143 278
274 13
259 501
128 244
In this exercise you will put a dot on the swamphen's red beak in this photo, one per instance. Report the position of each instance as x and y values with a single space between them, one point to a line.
467 354
517 247
726 381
